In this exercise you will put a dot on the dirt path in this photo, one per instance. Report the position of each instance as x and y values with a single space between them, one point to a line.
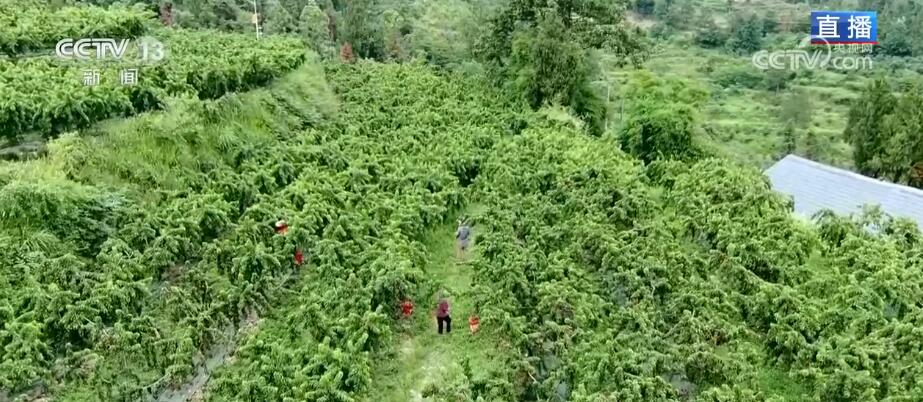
425 359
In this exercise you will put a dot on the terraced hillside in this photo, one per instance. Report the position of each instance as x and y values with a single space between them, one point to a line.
44 95
139 260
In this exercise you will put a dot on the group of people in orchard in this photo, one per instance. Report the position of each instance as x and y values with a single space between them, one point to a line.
443 310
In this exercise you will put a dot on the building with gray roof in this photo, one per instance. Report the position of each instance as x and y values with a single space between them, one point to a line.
815 186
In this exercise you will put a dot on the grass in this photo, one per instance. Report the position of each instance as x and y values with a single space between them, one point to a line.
745 123
775 382
167 149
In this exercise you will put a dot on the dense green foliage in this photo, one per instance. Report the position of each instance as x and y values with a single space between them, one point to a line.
547 67
110 293
746 34
609 279
543 49
138 257
49 96
165 280
32 25
662 120
312 24
393 30
710 291
393 163
887 133
745 117
901 35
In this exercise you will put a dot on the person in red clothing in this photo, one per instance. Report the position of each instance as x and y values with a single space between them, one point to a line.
442 314
282 227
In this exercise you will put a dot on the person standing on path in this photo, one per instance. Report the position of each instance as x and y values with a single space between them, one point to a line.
462 237
442 314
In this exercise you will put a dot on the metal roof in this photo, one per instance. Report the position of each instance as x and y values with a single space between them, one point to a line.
815 186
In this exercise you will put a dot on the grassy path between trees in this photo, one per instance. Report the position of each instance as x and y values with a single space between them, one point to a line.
425 360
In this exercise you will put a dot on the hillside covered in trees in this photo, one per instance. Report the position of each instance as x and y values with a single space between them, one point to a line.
608 156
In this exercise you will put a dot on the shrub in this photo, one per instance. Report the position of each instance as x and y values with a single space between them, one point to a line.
738 76
711 36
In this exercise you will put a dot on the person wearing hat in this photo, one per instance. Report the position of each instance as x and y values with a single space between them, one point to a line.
281 227
462 237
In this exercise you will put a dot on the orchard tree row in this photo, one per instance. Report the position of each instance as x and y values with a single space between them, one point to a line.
33 25
398 157
686 280
116 292
111 296
49 96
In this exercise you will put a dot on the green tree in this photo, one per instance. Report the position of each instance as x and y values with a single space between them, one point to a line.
332 17
710 35
393 38
592 24
445 30
903 34
675 13
662 9
811 145
789 139
644 7
361 27
219 14
277 20
867 129
796 109
770 22
680 14
545 65
542 48
312 24
662 119
916 24
905 151
777 80
746 34
898 39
